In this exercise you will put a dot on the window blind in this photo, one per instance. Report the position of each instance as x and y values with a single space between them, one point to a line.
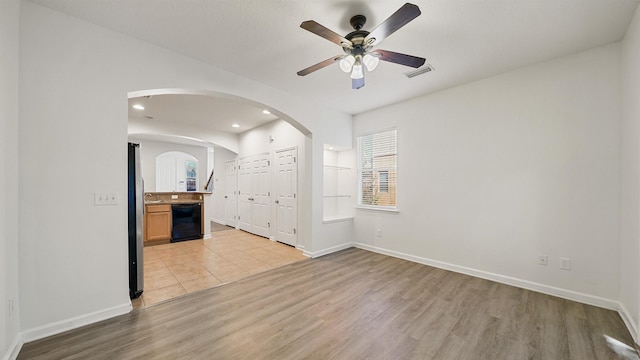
377 169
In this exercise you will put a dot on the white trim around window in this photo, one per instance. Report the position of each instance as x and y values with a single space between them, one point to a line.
377 160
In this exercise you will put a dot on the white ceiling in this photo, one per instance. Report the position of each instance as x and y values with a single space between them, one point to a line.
464 40
216 114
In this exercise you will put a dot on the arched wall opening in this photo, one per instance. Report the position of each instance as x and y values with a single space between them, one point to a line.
174 91
283 132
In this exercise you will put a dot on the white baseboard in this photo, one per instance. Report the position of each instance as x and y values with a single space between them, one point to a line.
315 254
628 321
525 284
218 221
300 247
14 348
206 236
73 323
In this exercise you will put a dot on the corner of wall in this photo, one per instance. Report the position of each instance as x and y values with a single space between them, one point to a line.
9 117
628 321
14 348
629 177
327 251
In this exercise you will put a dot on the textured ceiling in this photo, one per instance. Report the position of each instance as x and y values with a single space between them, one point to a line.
464 40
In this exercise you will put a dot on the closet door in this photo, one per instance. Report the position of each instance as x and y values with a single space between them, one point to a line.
285 193
261 194
244 194
254 208
230 197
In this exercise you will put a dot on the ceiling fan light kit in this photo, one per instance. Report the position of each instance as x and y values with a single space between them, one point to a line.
358 45
357 72
347 63
370 61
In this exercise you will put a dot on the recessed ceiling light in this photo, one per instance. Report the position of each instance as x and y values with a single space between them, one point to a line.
266 112
235 125
138 107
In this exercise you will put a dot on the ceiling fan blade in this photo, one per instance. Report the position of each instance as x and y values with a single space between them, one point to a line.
398 58
322 31
319 65
398 19
357 83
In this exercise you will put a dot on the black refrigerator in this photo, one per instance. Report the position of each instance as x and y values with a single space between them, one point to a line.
135 198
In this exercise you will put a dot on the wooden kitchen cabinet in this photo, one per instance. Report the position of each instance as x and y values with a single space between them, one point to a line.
157 223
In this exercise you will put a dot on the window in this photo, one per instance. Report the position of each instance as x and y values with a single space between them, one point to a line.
384 181
377 169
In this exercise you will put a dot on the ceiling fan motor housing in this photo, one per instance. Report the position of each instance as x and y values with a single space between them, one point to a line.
358 21
357 37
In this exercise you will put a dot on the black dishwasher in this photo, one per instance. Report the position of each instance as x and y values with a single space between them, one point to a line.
187 224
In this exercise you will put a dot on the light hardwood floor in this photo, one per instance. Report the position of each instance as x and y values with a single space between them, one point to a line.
175 269
353 304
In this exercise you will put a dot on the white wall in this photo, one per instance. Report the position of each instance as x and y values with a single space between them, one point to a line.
257 141
630 175
9 27
496 172
72 145
216 208
149 150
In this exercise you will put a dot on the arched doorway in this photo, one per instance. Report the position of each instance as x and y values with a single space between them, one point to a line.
204 119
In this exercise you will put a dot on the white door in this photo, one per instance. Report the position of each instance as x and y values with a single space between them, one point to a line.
261 194
254 208
285 193
230 197
244 194
165 174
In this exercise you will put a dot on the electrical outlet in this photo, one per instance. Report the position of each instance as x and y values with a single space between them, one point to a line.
565 263
112 198
543 260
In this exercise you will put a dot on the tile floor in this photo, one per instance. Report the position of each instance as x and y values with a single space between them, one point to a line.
176 269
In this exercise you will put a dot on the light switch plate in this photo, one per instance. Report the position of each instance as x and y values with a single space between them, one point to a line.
565 263
105 198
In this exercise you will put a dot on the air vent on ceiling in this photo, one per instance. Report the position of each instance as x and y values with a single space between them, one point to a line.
423 69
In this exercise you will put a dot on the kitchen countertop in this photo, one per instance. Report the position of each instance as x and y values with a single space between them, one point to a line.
170 202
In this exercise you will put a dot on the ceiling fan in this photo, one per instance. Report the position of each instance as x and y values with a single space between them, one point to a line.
358 45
